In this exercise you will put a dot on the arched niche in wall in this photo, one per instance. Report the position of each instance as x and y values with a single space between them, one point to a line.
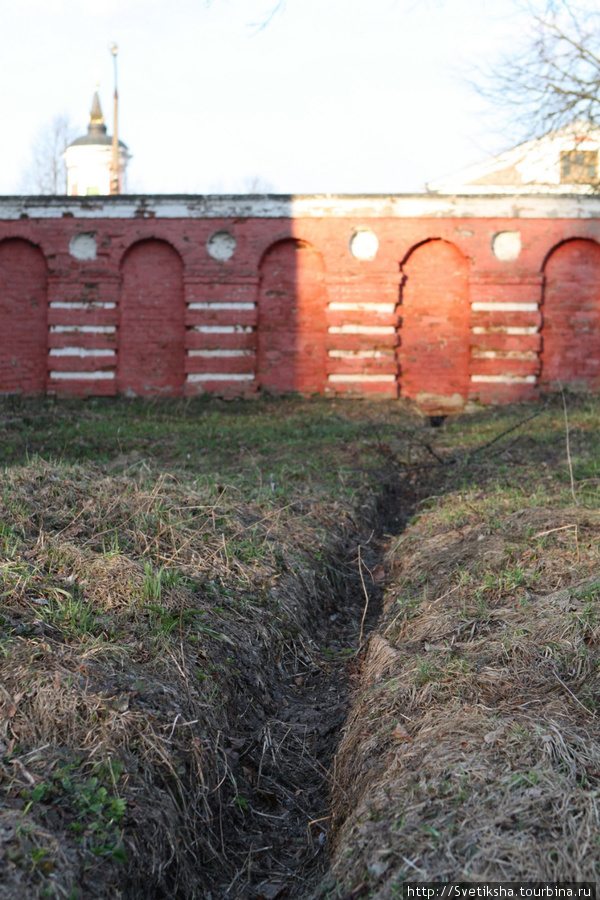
571 315
151 356
292 325
23 317
434 336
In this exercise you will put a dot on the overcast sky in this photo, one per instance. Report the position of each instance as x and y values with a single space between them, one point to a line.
330 96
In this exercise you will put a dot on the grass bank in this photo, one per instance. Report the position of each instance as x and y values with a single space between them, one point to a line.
177 614
473 749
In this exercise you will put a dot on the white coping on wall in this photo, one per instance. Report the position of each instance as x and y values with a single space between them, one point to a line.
362 307
218 376
361 378
361 329
84 329
219 305
506 329
220 353
480 306
92 304
504 379
297 206
79 351
87 376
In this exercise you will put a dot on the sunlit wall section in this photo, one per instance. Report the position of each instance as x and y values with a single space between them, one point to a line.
571 316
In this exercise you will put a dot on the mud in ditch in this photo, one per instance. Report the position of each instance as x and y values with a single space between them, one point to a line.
285 764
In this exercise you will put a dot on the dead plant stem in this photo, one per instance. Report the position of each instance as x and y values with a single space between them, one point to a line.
364 615
569 461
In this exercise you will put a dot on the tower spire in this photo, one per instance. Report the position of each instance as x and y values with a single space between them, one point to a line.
96 125
96 116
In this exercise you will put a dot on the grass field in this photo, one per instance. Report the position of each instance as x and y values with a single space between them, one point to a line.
183 593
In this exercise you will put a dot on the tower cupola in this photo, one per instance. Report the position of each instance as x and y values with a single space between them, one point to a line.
89 158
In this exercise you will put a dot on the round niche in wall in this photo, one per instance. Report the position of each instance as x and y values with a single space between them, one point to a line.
83 246
364 244
221 245
506 245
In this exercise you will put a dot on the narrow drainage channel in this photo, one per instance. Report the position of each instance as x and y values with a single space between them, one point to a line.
282 851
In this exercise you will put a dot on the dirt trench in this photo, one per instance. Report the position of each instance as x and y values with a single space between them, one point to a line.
286 763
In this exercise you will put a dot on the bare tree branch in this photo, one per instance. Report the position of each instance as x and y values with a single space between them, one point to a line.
260 26
46 172
555 78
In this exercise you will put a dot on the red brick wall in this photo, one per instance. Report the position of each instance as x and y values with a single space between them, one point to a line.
434 313
571 311
23 317
434 349
292 327
151 333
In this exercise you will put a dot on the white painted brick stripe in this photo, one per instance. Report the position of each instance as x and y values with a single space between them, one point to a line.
506 329
83 376
223 329
504 354
504 379
221 353
481 306
362 378
84 329
93 304
219 376
79 351
218 305
361 329
360 354
363 307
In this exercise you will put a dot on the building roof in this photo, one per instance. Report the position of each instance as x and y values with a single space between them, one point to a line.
96 134
529 168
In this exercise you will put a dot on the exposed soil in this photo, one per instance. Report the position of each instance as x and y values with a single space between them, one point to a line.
286 761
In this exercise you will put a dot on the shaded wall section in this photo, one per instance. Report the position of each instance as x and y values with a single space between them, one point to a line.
151 357
292 326
23 318
434 335
571 316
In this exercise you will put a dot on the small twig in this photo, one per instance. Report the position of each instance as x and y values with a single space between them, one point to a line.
316 822
552 530
362 621
576 699
570 464
430 450
519 424
564 528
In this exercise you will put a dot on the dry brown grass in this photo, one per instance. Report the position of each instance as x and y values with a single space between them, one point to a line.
473 750
150 625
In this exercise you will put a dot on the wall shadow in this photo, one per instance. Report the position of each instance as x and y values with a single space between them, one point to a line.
23 317
292 324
